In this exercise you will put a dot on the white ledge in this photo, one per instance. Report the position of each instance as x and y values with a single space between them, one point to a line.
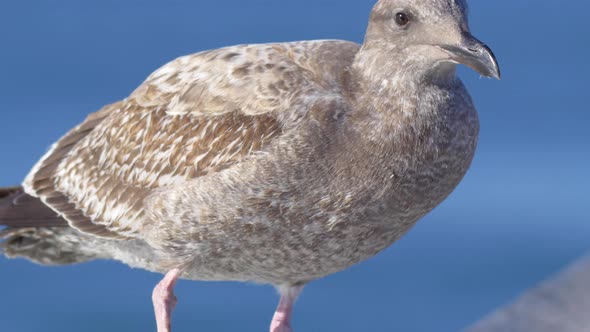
561 304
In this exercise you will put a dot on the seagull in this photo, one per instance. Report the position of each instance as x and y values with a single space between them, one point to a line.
272 163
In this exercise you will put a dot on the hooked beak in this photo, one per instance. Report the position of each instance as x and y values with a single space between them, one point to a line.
474 54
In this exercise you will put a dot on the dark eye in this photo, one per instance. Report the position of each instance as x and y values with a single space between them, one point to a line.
402 19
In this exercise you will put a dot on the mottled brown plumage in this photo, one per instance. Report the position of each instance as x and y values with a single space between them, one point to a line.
276 163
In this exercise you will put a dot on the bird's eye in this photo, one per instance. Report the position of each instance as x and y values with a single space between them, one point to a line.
402 19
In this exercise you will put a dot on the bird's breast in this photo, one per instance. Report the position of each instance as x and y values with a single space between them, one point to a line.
390 186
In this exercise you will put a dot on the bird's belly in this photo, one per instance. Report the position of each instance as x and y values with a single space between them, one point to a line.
290 245
308 255
324 244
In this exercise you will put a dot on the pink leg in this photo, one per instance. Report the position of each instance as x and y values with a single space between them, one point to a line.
281 322
164 300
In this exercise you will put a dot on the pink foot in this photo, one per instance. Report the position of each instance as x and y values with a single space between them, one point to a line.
281 321
165 300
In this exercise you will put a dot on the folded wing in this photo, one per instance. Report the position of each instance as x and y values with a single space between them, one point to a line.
196 115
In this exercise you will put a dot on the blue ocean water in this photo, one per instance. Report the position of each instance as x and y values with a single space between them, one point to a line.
520 215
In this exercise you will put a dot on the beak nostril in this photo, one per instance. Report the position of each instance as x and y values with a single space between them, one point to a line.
474 50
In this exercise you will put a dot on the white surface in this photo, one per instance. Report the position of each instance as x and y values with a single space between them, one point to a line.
561 304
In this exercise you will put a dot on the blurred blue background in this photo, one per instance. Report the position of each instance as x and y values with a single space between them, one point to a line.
520 215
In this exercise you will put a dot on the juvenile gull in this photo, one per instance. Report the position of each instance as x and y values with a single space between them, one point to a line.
275 163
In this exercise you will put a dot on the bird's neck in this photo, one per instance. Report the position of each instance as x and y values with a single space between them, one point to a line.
393 93
396 120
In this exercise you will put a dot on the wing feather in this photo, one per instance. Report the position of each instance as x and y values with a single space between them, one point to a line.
196 115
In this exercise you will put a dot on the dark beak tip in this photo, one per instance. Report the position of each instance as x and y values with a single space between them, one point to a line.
497 74
493 63
485 58
476 55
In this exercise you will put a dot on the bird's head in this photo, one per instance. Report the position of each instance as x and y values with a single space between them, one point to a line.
432 33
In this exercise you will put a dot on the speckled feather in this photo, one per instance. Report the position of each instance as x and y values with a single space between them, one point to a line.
198 114
275 163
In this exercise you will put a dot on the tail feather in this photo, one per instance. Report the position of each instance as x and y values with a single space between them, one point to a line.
36 232
18 209
5 192
44 245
